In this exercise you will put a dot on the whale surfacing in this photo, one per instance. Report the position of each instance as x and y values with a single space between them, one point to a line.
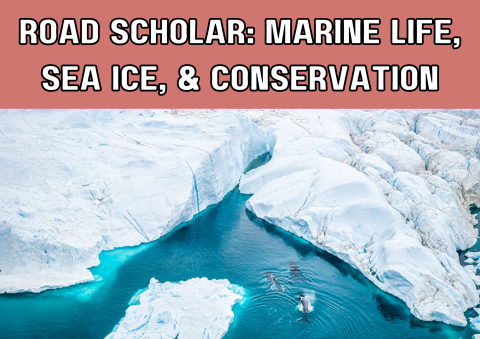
294 269
272 278
304 304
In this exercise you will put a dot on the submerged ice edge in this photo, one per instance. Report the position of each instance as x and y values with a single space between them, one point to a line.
76 184
387 192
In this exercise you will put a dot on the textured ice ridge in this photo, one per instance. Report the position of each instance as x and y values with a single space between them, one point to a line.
193 309
386 191
74 183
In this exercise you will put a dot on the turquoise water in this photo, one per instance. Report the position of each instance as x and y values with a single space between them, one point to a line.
225 241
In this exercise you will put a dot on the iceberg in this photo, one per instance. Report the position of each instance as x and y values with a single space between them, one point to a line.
77 182
386 191
196 308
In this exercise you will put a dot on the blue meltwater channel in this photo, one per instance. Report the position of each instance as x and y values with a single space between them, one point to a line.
226 242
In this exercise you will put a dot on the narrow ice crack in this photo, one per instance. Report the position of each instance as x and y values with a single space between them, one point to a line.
137 226
194 185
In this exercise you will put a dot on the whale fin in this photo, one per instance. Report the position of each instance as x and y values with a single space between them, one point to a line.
304 319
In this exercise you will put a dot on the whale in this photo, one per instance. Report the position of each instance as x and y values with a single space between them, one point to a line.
294 269
272 278
304 304
304 307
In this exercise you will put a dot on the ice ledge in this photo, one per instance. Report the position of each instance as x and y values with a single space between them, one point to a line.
196 308
78 182
384 191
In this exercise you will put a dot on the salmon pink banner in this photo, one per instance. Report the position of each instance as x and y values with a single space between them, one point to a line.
249 54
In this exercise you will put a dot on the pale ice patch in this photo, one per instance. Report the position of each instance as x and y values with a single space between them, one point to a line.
196 308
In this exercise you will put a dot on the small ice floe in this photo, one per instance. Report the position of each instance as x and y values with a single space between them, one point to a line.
196 308
473 255
469 261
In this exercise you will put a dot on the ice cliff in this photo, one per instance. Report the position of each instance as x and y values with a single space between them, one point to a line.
196 308
386 191
74 183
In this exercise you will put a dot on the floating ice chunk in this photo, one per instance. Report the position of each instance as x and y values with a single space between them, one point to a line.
196 308
473 255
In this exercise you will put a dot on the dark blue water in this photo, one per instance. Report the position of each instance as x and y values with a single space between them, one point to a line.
225 241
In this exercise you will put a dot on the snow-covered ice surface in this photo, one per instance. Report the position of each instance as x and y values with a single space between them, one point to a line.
196 308
74 183
386 191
